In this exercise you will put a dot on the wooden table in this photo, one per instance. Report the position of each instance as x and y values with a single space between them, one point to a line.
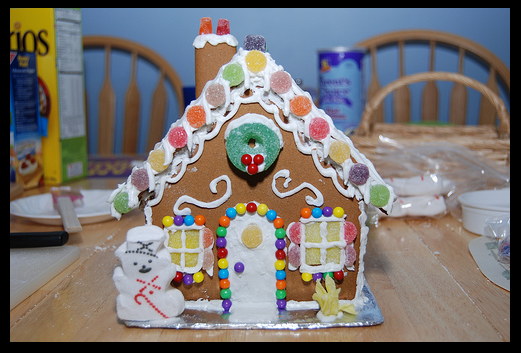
420 271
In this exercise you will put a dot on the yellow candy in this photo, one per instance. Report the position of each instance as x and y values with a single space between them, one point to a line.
280 264
222 263
168 221
191 260
198 277
313 233
333 231
156 159
333 255
192 239
339 151
255 61
251 237
313 256
306 277
338 212
174 240
262 209
240 208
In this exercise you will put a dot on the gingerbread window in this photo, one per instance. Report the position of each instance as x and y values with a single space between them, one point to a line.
322 247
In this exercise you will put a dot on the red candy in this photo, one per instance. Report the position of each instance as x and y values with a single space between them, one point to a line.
280 254
251 207
253 169
350 232
258 159
318 128
223 26
350 255
178 277
222 253
294 233
294 256
177 137
338 275
246 159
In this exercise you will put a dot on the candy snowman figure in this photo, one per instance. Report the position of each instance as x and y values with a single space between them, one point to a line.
143 280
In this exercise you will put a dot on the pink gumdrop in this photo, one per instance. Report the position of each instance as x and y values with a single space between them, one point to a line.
215 94
207 237
139 179
177 137
294 256
350 232
280 82
318 128
207 259
294 232
350 255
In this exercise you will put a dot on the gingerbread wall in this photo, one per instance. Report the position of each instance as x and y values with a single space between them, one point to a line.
245 188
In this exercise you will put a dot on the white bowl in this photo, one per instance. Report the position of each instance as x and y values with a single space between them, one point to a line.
480 205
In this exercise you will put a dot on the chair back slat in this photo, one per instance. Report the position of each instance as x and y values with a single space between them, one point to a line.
132 106
107 111
430 92
487 113
374 87
402 95
131 112
458 96
157 114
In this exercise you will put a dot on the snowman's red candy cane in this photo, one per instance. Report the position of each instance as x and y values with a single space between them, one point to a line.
140 294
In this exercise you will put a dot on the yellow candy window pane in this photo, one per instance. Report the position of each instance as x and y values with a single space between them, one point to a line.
313 233
192 239
191 260
333 231
333 255
174 240
313 256
176 258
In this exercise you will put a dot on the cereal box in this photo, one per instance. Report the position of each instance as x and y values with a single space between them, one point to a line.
25 139
55 36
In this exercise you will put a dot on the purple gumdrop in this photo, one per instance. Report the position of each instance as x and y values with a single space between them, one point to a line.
317 276
220 242
359 173
255 42
188 279
327 211
139 179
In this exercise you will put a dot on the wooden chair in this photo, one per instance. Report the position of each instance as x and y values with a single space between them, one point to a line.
429 111
107 97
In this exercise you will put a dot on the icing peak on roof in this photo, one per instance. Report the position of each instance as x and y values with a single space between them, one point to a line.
253 76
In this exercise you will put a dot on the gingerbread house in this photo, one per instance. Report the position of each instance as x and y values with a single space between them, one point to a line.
259 195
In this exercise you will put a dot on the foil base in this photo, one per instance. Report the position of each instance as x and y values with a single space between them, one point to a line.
369 315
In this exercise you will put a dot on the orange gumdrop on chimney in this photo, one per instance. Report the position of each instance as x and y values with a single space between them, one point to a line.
206 26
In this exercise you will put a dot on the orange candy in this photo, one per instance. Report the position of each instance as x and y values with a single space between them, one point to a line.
206 26
305 212
281 284
200 220
224 283
196 116
278 222
300 105
224 221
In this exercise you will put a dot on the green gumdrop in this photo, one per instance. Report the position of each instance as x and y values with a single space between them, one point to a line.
121 203
379 195
234 74
266 140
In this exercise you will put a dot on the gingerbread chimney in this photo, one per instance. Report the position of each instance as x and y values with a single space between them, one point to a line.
212 51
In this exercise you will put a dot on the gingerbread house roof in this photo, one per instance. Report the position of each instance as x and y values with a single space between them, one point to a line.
252 76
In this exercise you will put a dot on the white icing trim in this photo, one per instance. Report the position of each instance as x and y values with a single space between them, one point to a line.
284 173
211 204
214 39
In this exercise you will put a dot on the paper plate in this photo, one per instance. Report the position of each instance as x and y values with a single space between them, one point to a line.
39 208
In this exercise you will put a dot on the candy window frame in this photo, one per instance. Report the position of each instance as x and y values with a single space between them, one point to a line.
183 250
324 245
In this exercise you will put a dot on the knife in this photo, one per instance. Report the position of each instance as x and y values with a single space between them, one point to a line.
38 239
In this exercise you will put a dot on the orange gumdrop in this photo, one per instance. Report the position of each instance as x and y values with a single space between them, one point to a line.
300 105
196 116
205 26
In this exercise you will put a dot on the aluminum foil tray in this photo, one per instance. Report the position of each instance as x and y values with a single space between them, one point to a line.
369 315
